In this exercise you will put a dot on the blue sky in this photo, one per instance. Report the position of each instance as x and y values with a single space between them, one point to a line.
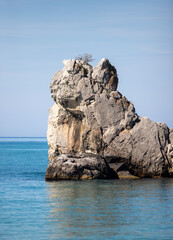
36 35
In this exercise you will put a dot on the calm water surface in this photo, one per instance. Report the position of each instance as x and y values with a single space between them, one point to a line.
31 208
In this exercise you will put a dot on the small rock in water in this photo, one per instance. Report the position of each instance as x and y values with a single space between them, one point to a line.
81 166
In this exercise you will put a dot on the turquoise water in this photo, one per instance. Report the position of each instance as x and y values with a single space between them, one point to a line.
31 208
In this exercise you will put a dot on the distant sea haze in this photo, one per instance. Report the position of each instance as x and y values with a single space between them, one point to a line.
27 139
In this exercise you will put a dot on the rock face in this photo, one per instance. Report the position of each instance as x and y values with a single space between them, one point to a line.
80 166
91 116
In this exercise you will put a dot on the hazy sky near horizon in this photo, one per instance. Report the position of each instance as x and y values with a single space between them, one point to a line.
36 35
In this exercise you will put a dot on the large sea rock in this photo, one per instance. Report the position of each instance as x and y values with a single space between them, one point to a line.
90 116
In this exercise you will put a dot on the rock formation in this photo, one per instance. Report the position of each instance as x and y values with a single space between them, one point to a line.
90 116
79 166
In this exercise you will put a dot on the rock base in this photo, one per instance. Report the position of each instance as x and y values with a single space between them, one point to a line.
126 175
79 167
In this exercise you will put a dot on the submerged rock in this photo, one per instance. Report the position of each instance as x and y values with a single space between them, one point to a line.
91 116
126 175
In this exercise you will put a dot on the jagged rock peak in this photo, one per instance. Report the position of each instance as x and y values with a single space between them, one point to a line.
78 80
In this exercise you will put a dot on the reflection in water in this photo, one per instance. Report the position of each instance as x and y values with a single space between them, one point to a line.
101 209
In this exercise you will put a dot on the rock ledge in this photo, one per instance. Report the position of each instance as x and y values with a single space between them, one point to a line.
81 166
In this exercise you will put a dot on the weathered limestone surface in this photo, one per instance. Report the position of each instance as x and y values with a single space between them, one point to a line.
80 166
90 116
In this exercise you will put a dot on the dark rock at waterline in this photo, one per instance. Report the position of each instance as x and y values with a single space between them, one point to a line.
127 175
81 166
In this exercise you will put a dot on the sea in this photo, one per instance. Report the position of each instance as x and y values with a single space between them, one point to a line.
31 208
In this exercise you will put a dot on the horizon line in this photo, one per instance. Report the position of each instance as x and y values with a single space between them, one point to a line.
23 137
